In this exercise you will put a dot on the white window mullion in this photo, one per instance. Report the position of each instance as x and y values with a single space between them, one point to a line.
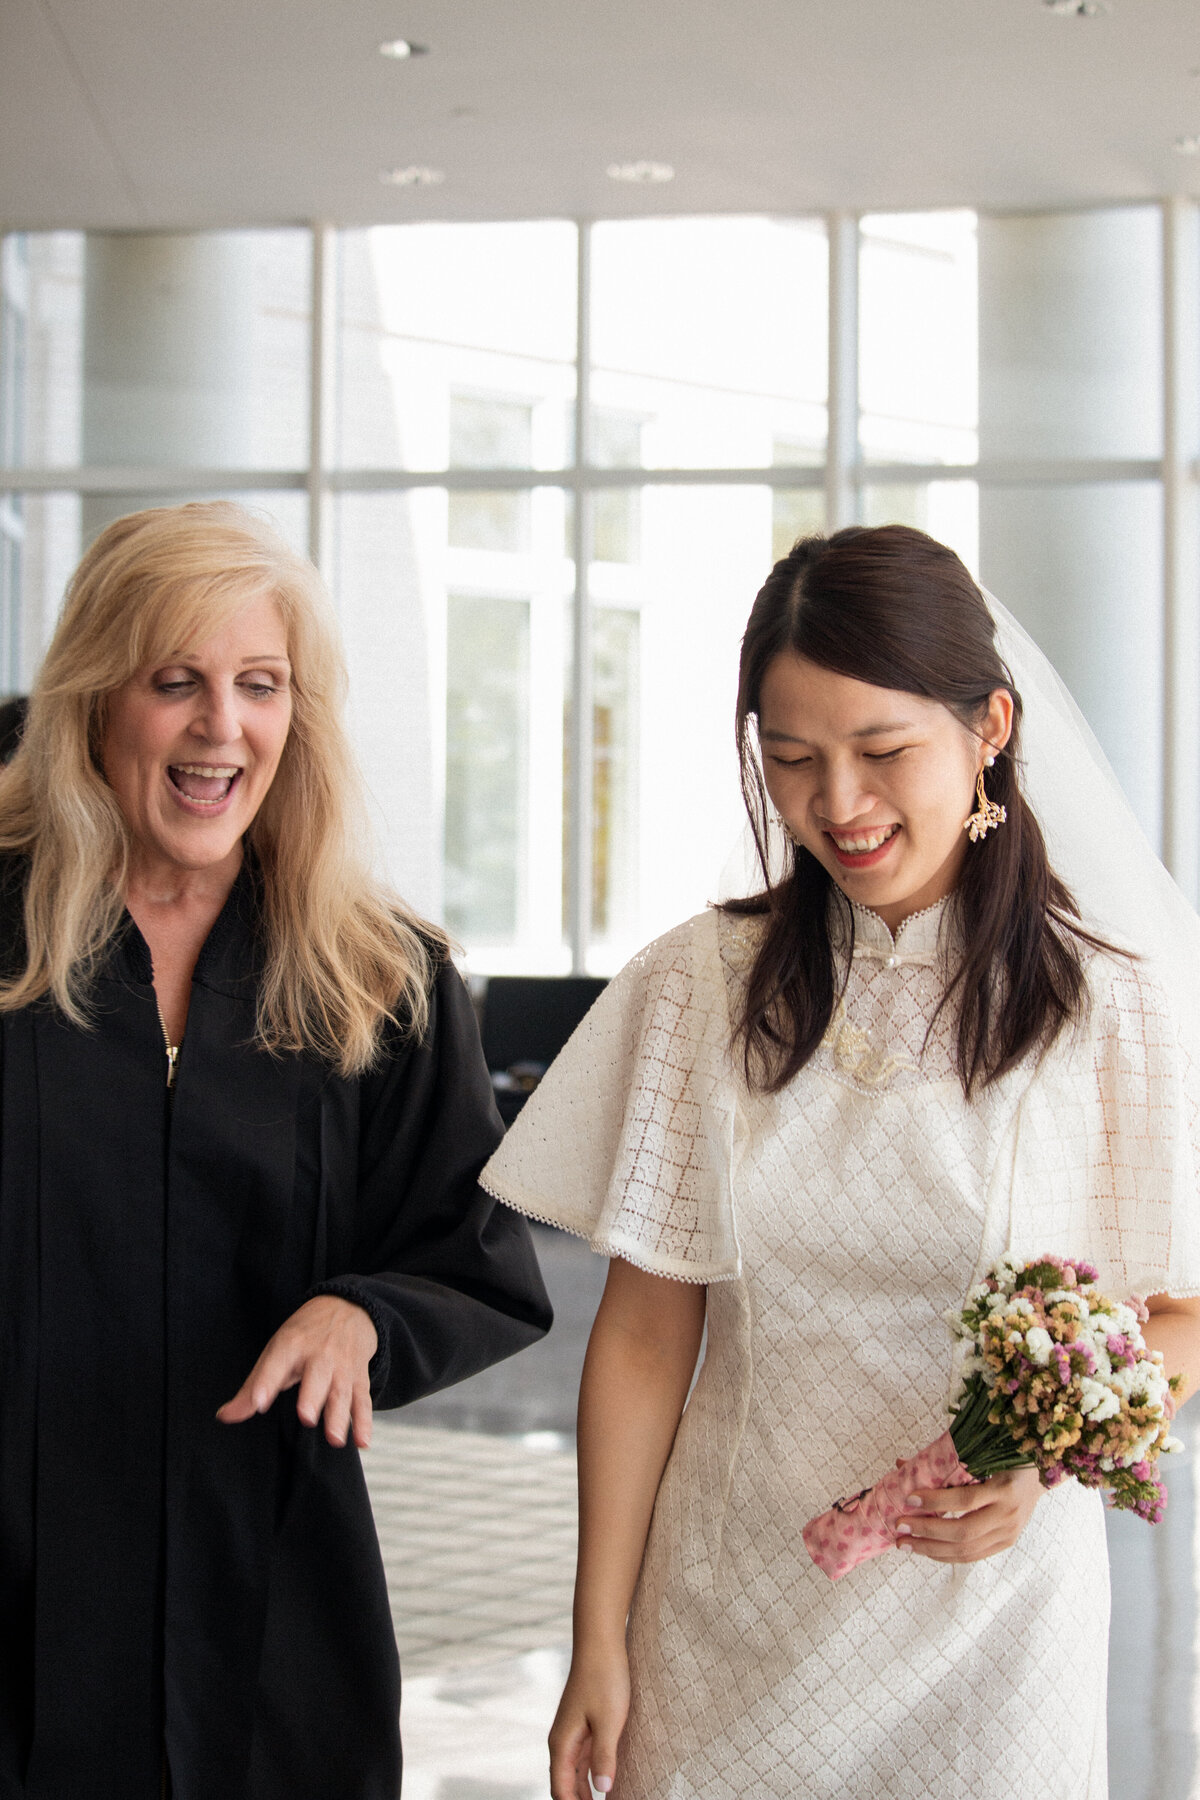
1181 551
579 836
841 464
321 366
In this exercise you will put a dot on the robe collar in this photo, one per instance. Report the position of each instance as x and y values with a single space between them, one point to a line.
232 953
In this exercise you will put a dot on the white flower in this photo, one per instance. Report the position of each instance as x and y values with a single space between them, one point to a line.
1169 1445
1098 1402
1022 1306
976 1294
1038 1345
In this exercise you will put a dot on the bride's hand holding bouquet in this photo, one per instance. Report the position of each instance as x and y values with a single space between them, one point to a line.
1056 1380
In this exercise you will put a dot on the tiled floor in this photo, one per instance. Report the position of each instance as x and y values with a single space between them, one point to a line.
478 1536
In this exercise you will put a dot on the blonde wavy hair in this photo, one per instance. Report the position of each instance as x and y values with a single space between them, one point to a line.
343 956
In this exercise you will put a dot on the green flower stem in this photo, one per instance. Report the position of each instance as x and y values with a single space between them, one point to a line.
983 1449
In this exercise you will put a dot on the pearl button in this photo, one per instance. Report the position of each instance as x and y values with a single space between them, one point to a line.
892 962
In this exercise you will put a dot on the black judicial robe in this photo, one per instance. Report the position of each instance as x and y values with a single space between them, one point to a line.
166 1580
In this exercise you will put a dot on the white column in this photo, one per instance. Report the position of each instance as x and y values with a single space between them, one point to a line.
168 338
841 455
1071 368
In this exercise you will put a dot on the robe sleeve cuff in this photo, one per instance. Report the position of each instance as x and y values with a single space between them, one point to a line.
345 1287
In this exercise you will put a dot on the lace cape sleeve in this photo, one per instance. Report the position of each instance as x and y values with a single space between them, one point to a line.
629 1138
1113 1157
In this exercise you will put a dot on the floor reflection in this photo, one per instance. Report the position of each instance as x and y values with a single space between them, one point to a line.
480 1734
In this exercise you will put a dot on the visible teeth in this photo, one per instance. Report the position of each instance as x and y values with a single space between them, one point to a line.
859 846
215 771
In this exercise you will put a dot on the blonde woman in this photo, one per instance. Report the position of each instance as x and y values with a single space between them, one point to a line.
243 1112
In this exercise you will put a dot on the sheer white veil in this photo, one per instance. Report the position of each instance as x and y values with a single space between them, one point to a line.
1093 838
1095 842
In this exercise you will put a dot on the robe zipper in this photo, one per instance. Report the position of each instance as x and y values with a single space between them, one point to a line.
172 1049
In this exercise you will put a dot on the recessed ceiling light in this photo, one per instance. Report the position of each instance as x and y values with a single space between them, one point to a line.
400 49
414 175
1077 9
1188 146
644 172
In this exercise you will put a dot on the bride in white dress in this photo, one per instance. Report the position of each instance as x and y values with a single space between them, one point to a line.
808 1122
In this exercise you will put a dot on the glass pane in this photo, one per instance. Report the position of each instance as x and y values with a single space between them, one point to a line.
795 513
947 510
481 519
285 509
918 328
39 547
439 322
456 657
709 341
667 810
1070 334
175 350
42 537
41 338
1081 567
487 752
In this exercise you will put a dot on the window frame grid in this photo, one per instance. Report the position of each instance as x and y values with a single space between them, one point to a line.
842 478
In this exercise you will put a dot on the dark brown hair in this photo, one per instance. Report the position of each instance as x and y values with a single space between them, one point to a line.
894 608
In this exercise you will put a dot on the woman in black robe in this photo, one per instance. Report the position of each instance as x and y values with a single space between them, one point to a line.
242 1113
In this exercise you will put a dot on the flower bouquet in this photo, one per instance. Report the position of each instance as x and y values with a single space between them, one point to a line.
1054 1376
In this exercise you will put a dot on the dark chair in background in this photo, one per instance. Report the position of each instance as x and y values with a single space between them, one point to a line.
526 1021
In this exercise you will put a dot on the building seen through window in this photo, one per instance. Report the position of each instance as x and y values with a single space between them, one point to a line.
455 357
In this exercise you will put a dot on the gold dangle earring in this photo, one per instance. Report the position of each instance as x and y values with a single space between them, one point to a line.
988 815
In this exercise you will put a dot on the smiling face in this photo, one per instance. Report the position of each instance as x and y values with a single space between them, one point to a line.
875 782
190 747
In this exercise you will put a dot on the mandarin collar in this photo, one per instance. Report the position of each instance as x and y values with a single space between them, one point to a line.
921 939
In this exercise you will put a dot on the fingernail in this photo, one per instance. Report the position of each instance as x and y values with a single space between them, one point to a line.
602 1784
904 1531
913 1502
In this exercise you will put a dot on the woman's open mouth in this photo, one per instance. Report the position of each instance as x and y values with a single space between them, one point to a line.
203 787
863 849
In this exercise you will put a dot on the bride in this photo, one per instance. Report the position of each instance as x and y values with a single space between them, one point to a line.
804 1123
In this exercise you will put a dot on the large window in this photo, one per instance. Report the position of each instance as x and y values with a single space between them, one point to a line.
543 559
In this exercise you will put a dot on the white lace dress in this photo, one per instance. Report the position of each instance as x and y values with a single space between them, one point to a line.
835 1223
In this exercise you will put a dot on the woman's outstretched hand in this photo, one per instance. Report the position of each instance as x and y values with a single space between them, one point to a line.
588 1725
966 1524
324 1348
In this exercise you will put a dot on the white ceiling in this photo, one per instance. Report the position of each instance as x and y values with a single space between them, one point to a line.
160 114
